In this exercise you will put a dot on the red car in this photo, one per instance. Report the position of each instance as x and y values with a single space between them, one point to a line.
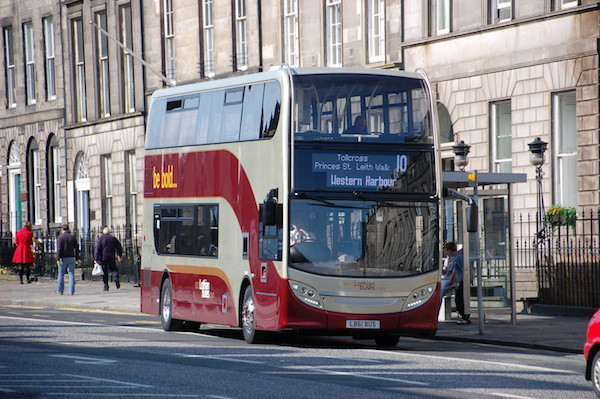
591 351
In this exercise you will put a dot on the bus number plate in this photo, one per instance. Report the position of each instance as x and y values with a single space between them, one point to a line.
368 324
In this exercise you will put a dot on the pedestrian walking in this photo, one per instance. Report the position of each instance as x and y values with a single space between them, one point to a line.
106 247
23 254
453 278
68 256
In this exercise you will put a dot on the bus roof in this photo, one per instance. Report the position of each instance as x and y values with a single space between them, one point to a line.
275 73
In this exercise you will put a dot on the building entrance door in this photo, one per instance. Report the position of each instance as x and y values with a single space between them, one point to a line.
15 205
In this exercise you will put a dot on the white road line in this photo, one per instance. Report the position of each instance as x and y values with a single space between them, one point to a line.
69 386
6 390
372 377
505 395
107 380
228 359
456 359
218 397
87 360
25 374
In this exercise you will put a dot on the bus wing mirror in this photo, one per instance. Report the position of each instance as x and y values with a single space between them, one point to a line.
269 209
472 215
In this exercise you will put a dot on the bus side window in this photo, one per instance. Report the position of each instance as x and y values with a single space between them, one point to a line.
154 123
216 113
232 115
251 113
271 109
204 113
169 131
189 116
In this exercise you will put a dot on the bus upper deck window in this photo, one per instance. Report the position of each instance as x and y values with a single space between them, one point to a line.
271 109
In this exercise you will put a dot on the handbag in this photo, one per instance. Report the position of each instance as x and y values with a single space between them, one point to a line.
97 270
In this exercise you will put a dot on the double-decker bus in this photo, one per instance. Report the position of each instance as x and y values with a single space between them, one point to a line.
295 199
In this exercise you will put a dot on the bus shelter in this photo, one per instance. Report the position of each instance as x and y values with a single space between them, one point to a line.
489 251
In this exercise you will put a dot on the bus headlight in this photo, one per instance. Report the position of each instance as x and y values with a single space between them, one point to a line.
306 294
418 297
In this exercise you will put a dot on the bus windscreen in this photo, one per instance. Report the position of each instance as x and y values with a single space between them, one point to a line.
361 108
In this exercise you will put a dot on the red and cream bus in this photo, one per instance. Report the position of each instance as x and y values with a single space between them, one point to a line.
294 199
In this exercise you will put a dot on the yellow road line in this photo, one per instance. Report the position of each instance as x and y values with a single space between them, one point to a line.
22 307
104 312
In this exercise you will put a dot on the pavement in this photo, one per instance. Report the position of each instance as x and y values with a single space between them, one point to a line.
548 332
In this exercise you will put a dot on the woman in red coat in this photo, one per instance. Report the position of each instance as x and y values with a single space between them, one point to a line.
23 254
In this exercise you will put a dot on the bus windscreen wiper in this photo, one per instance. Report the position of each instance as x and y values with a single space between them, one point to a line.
310 197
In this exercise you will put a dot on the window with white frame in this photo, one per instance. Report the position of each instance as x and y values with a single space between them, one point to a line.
79 70
54 185
102 66
500 10
29 62
565 148
208 35
376 30
34 183
439 11
501 137
128 87
565 4
107 191
49 58
290 32
169 39
9 61
333 33
132 189
241 42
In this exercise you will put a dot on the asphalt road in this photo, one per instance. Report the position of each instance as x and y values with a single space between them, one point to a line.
69 353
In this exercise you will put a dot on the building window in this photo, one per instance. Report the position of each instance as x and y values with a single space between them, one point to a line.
9 60
53 172
102 66
500 11
132 189
333 37
107 191
128 88
376 30
439 11
14 188
169 38
445 124
501 137
290 32
565 148
241 43
49 58
209 44
34 183
29 62
79 70
82 192
565 4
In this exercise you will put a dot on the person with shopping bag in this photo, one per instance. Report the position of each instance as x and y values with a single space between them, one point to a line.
106 247
23 254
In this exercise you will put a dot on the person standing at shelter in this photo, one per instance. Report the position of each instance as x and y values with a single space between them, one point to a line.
23 254
453 278
68 256
106 247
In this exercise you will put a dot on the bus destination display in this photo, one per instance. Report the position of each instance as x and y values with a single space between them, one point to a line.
335 170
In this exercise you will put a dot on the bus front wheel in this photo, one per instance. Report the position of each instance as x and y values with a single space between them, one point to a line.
251 336
166 308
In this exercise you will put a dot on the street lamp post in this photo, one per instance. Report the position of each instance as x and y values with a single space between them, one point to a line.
537 148
461 150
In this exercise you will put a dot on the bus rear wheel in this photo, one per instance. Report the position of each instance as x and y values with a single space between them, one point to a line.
387 341
166 309
249 332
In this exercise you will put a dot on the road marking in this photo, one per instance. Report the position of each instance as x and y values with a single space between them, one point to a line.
505 395
227 359
6 390
87 360
27 374
115 312
218 397
372 377
455 359
22 307
40 315
107 380
69 386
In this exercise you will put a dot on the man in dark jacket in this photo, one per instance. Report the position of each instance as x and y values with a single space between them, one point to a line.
68 255
105 255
